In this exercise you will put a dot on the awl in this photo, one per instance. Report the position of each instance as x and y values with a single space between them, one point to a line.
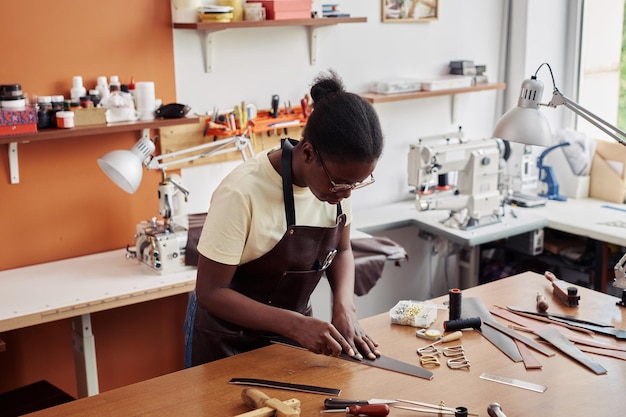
335 403
374 410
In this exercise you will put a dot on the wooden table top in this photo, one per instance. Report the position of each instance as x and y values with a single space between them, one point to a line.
572 390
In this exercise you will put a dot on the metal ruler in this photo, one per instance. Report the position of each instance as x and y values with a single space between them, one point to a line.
513 382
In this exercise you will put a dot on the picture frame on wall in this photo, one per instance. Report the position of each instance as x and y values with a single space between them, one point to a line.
407 11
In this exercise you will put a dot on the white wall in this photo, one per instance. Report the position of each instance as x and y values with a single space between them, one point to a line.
252 64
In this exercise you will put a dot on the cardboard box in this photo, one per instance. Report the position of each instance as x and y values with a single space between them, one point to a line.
93 116
287 9
608 172
13 122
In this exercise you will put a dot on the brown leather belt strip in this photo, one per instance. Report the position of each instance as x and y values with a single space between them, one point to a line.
530 362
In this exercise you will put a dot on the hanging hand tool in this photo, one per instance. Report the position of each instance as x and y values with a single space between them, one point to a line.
256 399
274 110
563 290
447 338
494 410
373 410
340 403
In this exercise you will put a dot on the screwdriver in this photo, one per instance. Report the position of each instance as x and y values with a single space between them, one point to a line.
372 410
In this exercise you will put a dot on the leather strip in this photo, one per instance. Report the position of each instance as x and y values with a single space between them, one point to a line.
604 352
473 307
559 341
285 385
528 342
530 361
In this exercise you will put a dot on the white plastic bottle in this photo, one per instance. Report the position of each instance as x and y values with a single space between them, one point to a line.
78 90
103 88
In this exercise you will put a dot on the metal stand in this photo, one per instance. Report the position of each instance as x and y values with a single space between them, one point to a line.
85 356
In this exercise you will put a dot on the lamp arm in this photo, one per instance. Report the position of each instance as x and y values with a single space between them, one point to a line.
611 130
214 148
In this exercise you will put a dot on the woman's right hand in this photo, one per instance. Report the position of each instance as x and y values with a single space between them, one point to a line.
319 336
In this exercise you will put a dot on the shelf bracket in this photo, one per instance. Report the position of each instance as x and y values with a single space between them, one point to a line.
313 34
14 169
453 109
208 51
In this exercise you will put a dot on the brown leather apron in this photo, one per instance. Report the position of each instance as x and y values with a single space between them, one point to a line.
284 277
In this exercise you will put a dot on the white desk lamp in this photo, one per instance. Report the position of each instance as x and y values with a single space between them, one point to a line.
161 245
124 167
526 124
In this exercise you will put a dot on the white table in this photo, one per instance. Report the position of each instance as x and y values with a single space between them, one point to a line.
74 288
585 217
404 213
596 219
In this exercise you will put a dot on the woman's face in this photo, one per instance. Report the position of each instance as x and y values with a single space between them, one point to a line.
332 182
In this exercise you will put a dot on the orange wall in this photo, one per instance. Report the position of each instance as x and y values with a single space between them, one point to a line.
64 206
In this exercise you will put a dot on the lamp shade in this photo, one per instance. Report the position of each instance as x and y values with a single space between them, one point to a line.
124 167
526 123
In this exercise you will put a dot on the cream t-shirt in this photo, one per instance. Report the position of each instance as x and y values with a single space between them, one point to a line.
246 217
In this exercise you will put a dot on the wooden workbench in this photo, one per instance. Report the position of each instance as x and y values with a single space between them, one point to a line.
571 389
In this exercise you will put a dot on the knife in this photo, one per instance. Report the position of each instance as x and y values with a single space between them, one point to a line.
340 403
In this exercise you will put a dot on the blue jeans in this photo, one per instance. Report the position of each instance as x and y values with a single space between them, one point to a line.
189 320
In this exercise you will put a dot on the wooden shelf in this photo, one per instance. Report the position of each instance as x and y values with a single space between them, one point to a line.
386 98
312 26
92 130
56 133
217 26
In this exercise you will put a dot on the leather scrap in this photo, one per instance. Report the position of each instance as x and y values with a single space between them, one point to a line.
555 338
530 361
473 307
604 352
523 339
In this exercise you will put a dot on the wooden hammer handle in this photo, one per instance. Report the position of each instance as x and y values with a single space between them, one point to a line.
293 403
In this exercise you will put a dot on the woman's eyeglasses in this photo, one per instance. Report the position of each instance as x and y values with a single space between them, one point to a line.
339 187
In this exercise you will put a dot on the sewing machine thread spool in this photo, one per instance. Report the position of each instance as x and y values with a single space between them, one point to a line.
459 324
454 303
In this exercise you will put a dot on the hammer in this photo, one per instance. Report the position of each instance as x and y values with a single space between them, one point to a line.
263 405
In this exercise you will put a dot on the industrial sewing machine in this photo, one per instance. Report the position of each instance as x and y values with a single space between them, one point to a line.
475 199
161 244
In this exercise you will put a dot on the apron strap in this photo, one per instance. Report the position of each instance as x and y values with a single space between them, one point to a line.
285 163
290 207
